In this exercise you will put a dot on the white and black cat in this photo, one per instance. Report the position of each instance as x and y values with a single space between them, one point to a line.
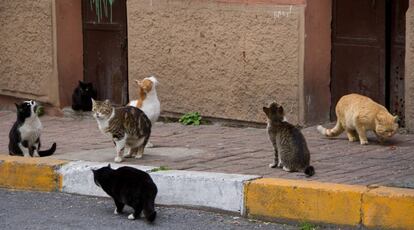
24 136
82 95
130 186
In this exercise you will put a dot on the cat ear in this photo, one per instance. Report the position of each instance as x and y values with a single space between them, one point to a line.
93 101
154 80
280 110
266 111
109 166
80 82
396 119
107 102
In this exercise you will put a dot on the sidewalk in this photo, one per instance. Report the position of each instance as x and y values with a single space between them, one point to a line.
214 148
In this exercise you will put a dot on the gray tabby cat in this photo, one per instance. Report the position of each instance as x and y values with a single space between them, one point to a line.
128 127
291 151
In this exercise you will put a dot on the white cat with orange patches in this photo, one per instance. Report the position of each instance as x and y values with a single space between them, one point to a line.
148 100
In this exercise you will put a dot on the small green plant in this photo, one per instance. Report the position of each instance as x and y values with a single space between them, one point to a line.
161 168
193 118
307 226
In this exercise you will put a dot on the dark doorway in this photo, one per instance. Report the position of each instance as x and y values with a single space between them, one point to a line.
368 43
105 50
396 52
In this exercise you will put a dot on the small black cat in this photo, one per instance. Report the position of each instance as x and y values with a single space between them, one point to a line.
24 136
81 97
130 186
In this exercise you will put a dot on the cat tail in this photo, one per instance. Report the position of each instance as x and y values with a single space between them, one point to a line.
152 216
309 171
149 211
335 131
48 152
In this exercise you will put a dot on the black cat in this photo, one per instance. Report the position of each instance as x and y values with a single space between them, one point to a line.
81 97
24 136
130 186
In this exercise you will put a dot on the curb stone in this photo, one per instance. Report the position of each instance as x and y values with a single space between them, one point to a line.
203 189
37 174
77 177
328 203
185 188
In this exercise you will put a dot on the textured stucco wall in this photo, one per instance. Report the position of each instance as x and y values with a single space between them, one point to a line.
26 44
224 60
409 68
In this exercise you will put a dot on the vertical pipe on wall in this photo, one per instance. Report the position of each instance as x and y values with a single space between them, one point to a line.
53 84
409 67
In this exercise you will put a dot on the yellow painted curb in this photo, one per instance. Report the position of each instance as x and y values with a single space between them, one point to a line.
30 173
304 201
389 208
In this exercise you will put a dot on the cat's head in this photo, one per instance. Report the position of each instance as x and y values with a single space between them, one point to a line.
386 124
274 112
101 109
101 174
85 88
26 109
147 84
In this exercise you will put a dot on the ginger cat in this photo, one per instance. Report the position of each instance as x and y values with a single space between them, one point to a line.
358 114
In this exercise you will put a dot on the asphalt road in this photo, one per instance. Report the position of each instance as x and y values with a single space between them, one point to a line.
39 210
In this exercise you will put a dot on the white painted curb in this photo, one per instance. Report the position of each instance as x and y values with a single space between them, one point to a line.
185 188
191 188
77 177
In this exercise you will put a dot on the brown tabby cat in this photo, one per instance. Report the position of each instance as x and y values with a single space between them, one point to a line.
128 127
358 114
291 151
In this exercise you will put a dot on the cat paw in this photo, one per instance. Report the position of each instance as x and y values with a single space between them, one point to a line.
118 159
128 156
364 142
131 216
321 129
149 145
286 169
272 165
280 165
138 156
116 212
